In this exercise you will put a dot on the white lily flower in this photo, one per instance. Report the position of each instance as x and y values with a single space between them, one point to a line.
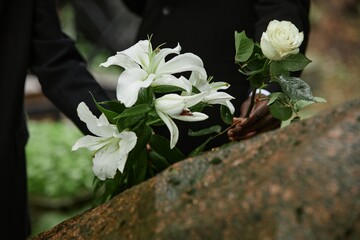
110 147
144 67
175 106
213 97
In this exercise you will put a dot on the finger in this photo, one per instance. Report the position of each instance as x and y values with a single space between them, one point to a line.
231 135
237 120
254 123
233 132
244 136
256 116
271 126
248 133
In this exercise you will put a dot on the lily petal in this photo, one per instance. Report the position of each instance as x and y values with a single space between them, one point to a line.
194 99
98 127
105 164
182 63
159 58
219 85
193 117
180 82
129 84
127 143
174 131
92 143
170 104
121 60
139 53
220 98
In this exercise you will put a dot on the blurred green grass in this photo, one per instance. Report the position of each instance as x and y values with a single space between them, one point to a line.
59 180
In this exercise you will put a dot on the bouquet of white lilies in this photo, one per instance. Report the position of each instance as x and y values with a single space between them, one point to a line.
125 148
152 91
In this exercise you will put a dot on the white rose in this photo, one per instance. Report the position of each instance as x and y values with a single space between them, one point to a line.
281 39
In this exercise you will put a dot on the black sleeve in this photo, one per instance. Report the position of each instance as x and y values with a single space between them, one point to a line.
296 11
61 70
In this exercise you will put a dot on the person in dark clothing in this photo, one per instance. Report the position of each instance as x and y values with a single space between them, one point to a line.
32 41
206 28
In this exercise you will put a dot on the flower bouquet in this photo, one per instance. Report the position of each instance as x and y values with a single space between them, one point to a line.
126 150
159 85
275 60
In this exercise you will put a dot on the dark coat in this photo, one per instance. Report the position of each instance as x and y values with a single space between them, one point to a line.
207 28
31 41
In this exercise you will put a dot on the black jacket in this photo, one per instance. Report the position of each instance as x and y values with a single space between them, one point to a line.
31 41
207 28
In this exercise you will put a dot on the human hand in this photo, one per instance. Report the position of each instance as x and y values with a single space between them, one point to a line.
260 120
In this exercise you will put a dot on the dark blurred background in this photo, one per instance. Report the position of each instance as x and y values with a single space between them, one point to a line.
60 180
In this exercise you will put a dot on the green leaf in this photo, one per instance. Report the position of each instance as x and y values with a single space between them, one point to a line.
105 190
295 88
159 162
114 105
161 145
295 119
128 122
153 119
145 96
300 104
206 131
136 165
199 107
248 72
115 108
320 100
257 60
226 115
144 134
274 96
167 89
200 148
140 166
280 110
257 80
135 110
294 62
130 179
243 46
276 69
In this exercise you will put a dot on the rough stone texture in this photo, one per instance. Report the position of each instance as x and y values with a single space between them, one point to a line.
298 182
